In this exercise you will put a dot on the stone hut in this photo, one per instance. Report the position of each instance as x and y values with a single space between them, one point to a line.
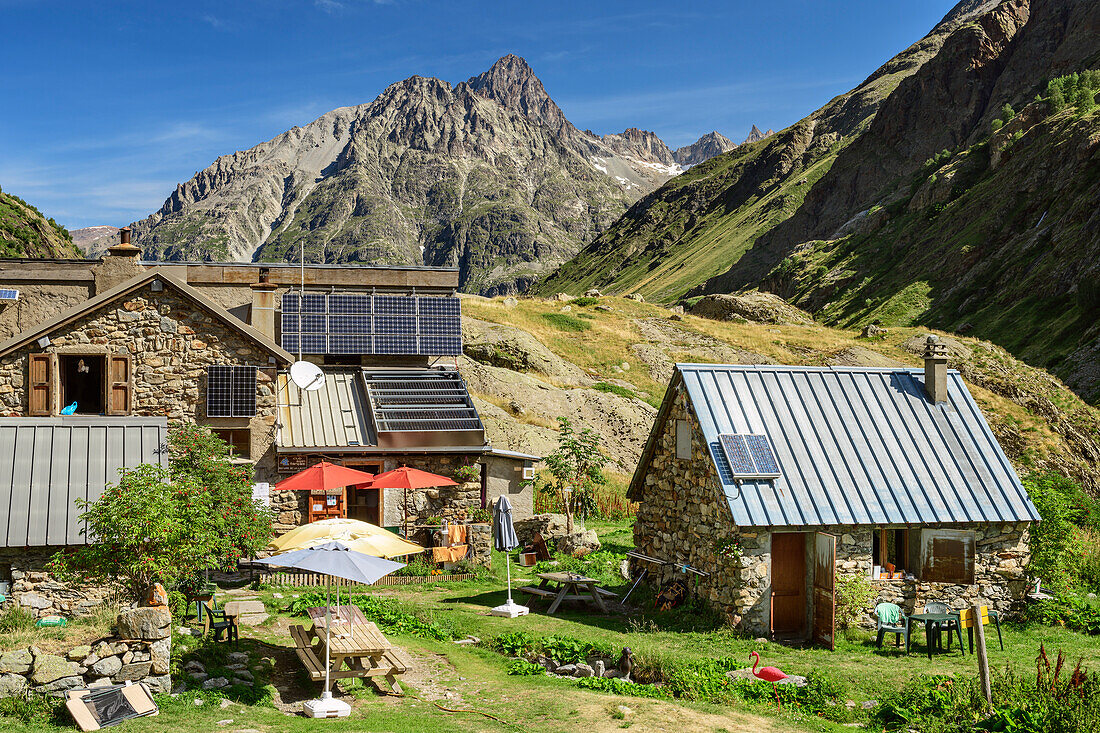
776 480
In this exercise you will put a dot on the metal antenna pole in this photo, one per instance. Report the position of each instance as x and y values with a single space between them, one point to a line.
301 292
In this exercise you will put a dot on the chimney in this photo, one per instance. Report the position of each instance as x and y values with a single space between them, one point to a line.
124 248
935 370
262 315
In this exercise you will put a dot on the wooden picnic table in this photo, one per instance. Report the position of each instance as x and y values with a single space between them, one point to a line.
568 587
360 651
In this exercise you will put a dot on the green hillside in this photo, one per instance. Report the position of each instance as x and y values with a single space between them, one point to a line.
26 232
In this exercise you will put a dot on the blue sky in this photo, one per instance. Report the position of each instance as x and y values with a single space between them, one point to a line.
107 105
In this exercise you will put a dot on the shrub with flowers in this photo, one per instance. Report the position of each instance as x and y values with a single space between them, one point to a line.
162 524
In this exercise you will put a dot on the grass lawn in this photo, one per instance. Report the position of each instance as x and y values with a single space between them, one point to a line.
474 679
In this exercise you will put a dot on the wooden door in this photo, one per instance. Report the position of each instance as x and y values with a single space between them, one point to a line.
365 504
824 626
788 583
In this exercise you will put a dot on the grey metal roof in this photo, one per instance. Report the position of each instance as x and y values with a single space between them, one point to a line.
856 446
334 416
47 463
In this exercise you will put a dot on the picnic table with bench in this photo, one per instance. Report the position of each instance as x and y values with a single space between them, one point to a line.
356 648
568 587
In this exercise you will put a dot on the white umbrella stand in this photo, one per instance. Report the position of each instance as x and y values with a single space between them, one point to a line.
505 540
332 559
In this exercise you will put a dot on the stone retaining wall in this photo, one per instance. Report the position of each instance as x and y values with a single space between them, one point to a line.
34 590
140 652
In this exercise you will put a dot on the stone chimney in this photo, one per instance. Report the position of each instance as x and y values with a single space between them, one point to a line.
262 315
935 370
122 262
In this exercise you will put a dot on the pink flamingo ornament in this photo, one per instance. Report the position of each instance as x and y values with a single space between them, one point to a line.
769 674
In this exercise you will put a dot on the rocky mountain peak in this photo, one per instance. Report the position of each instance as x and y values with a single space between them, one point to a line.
709 145
755 135
511 83
641 144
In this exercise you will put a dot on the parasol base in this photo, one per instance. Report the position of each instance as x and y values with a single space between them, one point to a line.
326 707
511 609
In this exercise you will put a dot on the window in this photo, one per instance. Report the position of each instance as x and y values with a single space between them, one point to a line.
79 384
947 556
239 440
683 439
230 391
892 554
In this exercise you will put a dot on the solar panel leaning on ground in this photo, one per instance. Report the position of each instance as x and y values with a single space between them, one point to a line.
427 400
748 456
358 323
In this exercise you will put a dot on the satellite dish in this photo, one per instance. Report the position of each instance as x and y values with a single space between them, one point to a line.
307 375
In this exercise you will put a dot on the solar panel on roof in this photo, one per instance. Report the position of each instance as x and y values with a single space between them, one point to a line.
749 456
762 454
428 401
9 294
357 323
230 390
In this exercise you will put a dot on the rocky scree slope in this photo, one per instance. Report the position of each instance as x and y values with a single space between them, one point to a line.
527 362
487 175
698 223
26 232
935 215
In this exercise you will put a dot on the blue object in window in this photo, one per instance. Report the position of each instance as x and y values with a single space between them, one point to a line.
71 409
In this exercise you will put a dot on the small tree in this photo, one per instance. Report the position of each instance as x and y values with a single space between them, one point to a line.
168 524
576 469
1007 113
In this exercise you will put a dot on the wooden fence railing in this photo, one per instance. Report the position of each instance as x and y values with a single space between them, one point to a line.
314 580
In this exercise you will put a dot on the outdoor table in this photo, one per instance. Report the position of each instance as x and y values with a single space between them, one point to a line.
567 587
343 618
930 621
361 652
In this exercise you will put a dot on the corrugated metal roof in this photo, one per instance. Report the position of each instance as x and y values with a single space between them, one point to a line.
334 416
47 463
857 446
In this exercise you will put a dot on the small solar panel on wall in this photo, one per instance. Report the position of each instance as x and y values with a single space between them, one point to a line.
230 391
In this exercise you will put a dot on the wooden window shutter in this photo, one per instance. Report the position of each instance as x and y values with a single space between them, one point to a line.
40 383
119 388
947 556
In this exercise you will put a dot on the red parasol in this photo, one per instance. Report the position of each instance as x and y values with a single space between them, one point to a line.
324 475
410 478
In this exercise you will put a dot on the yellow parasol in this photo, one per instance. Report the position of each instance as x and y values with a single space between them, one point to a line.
358 536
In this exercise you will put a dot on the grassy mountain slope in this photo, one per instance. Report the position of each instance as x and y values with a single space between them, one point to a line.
26 232
1003 239
699 223
626 354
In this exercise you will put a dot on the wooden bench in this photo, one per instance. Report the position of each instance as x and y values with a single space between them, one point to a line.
534 590
304 649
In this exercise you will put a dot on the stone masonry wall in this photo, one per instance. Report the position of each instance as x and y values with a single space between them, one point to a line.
141 651
35 591
681 519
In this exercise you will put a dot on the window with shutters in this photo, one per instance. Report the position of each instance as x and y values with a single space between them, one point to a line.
230 391
82 384
947 556
892 553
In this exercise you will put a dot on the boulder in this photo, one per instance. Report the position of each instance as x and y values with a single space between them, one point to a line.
107 667
593 293
33 600
751 305
583 670
160 684
510 302
80 653
19 661
133 671
49 667
60 685
149 623
160 653
636 297
215 683
12 684
564 297
566 670
512 348
579 544
955 349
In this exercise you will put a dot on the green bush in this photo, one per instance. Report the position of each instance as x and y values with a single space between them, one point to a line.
622 687
514 643
177 604
1066 509
996 124
566 322
386 612
585 301
15 619
525 668
853 599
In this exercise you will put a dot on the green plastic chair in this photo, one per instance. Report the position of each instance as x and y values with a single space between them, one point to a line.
216 619
951 627
901 627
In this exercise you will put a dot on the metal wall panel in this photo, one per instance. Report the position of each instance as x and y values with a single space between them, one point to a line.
47 463
856 446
